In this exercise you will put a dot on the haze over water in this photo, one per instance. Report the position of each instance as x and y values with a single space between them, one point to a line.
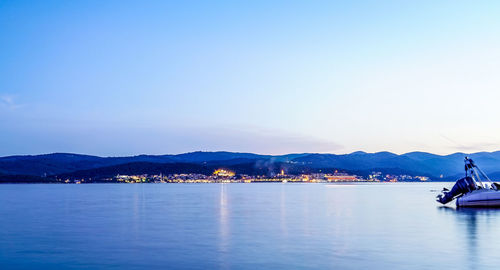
242 226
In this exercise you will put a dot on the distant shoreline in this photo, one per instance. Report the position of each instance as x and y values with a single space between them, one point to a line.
191 183
215 166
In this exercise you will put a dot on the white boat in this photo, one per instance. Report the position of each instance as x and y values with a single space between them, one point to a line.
480 198
472 190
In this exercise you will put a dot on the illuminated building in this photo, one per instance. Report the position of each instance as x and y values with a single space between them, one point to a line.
223 173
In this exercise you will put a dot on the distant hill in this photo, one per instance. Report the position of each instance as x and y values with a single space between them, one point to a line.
58 163
241 166
415 163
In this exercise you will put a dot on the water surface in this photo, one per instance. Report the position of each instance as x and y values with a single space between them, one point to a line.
242 226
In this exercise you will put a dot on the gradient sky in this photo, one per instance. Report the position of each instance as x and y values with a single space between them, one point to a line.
130 77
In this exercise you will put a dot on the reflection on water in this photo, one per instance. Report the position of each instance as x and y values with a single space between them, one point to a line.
242 226
224 227
470 221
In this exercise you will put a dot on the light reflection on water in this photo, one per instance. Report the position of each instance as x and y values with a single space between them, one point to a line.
242 226
224 228
475 224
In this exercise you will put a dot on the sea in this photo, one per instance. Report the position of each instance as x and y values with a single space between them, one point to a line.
242 226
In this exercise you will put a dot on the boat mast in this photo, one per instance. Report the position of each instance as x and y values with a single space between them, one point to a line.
470 172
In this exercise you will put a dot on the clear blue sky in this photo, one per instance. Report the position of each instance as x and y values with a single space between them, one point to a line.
131 77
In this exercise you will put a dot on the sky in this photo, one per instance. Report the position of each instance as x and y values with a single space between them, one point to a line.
115 78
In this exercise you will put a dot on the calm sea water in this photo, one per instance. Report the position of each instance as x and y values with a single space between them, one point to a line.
242 226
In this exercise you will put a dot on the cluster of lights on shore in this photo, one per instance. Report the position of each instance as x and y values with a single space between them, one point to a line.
224 173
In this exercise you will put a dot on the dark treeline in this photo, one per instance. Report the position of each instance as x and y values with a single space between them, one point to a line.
26 179
257 168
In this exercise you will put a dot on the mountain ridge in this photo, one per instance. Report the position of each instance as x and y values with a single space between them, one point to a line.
417 162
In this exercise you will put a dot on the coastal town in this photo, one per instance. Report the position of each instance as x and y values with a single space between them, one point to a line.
228 176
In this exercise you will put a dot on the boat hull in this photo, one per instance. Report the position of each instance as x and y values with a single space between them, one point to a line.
480 198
